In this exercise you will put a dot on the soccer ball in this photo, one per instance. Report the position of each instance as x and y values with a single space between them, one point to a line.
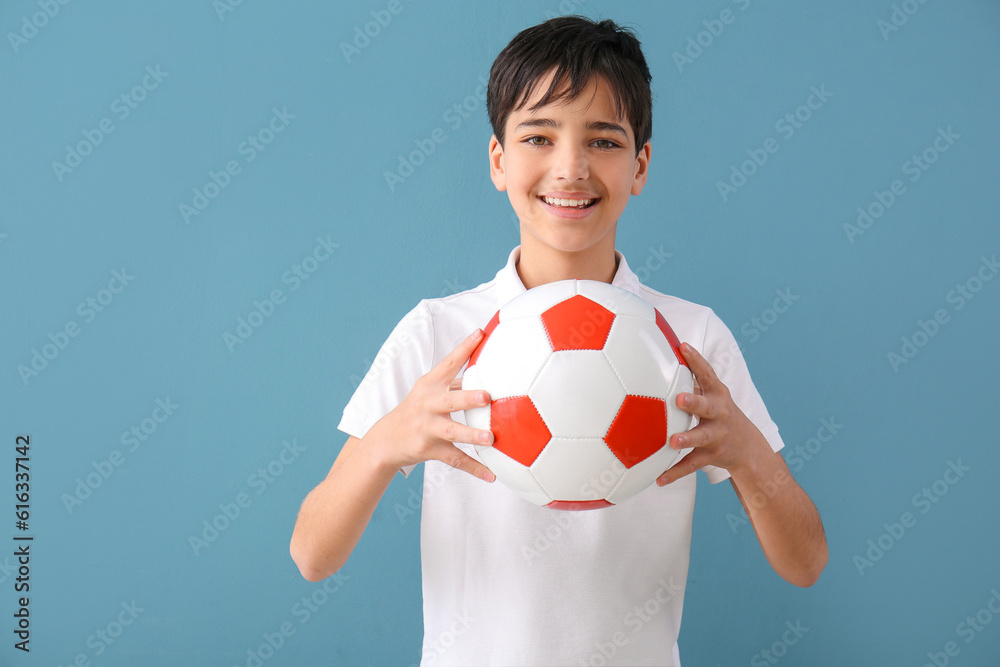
583 377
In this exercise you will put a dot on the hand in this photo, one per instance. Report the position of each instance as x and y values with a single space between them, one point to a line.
724 436
420 428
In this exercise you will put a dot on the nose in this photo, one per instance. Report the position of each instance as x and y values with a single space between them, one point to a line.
570 162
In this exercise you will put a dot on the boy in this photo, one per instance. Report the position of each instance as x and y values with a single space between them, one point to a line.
570 105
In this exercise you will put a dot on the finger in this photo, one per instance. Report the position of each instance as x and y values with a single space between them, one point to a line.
461 399
687 465
699 436
459 460
703 371
696 404
448 368
452 431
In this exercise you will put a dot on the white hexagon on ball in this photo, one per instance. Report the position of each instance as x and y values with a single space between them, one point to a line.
615 367
577 393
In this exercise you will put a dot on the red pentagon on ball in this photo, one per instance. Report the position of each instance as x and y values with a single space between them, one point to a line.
518 429
639 429
668 332
579 504
490 326
577 324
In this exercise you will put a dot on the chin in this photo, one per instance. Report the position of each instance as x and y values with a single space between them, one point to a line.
569 246
569 240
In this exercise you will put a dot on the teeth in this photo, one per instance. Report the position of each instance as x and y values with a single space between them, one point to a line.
568 203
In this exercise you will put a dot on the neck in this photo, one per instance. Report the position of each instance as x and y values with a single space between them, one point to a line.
539 264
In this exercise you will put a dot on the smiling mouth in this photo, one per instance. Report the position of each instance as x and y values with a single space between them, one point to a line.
569 203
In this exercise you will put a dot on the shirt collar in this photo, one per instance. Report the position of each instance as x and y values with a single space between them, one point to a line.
509 284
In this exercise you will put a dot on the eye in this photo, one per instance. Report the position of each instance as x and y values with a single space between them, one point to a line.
609 144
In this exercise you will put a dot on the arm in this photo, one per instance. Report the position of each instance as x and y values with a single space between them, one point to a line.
785 520
335 513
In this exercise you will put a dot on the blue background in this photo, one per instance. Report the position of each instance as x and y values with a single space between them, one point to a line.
443 229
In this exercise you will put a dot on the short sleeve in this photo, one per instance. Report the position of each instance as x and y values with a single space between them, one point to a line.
723 353
405 356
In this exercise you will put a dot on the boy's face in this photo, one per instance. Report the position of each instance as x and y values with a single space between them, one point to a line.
577 150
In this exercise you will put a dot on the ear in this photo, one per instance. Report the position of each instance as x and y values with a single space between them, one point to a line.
641 168
496 164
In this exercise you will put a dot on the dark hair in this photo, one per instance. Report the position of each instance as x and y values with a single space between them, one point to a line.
580 49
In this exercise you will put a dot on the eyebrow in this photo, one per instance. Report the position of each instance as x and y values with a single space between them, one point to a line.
593 125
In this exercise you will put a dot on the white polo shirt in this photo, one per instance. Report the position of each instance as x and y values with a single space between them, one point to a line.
506 582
